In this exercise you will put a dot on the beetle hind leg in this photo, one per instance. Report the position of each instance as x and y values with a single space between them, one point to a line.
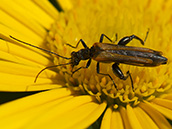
124 41
117 71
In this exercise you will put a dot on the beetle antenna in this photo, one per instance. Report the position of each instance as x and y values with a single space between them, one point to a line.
48 68
39 48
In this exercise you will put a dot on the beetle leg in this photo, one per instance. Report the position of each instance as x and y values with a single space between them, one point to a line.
98 71
127 39
82 67
103 35
117 71
124 41
83 43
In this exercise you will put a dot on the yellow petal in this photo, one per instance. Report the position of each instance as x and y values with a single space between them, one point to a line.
145 121
156 116
26 103
25 53
165 111
169 96
33 11
73 110
22 72
21 119
18 69
11 57
125 117
25 83
106 121
48 7
135 124
92 117
163 102
16 26
21 16
56 105
116 121
6 32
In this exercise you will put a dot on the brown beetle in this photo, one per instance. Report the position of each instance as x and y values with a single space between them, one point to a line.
109 53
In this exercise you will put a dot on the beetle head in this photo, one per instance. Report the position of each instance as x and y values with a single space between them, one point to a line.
74 59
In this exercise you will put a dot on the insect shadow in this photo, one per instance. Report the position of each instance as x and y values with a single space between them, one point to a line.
110 53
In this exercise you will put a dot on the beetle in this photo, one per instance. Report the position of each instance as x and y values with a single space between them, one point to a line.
110 53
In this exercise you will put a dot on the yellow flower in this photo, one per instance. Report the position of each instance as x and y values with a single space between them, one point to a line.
86 98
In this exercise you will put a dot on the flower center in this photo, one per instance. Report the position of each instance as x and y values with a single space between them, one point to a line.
88 81
71 27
